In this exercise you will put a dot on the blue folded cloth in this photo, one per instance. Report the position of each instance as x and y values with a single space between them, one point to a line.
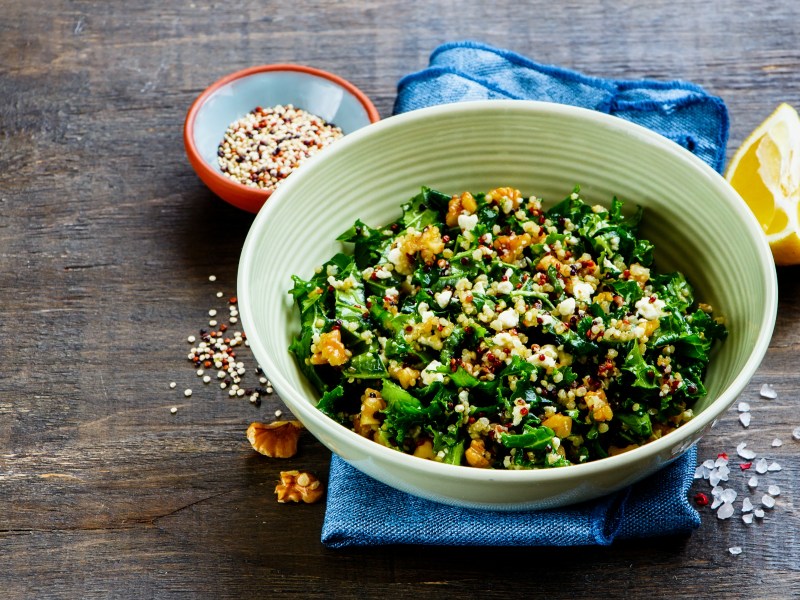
365 512
678 110
361 511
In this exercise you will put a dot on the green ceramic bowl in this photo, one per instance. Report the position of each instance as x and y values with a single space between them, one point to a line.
698 223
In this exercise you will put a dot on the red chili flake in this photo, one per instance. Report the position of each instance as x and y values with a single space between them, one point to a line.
445 238
233 300
374 276
523 411
330 288
471 420
409 328
745 466
723 455
626 274
652 299
701 499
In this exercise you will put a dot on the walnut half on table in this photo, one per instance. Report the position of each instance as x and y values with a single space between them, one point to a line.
299 487
276 440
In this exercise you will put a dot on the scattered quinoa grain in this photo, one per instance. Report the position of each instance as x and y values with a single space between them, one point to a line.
173 410
187 392
172 385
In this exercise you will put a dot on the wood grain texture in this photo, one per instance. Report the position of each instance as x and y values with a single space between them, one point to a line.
107 240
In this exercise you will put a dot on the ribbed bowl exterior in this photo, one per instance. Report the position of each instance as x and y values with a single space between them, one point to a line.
698 223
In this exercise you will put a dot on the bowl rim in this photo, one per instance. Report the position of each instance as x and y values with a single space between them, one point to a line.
675 443
255 195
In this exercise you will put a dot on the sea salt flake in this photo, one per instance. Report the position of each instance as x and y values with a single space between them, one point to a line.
744 407
759 513
747 518
721 461
753 482
744 419
716 503
762 466
699 472
744 452
777 443
714 478
767 500
726 510
774 467
728 495
747 505
767 391
735 550
709 464
716 491
774 490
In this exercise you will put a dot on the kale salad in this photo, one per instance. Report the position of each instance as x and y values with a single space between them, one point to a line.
483 330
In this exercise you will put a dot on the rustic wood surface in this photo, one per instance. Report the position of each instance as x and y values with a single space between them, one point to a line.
107 239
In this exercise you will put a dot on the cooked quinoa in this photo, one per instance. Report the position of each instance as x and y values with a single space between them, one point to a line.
484 330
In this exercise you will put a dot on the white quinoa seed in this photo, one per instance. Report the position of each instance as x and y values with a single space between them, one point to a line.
187 392
173 410
172 385
212 277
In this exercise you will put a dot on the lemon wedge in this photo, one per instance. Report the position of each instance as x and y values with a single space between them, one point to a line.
766 172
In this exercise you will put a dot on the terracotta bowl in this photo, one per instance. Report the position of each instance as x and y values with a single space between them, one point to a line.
315 91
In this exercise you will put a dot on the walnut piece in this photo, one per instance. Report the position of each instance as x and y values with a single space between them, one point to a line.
330 350
299 487
476 455
276 440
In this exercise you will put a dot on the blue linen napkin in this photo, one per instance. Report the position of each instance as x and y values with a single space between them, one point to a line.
356 513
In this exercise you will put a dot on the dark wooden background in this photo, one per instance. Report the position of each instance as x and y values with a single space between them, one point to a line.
107 239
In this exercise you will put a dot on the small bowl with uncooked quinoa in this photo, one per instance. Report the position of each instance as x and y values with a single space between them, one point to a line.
250 130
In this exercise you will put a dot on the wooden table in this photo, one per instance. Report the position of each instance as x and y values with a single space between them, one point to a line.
107 241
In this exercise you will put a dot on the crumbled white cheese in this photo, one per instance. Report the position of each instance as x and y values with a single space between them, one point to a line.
582 291
467 222
566 307
394 255
505 287
429 375
649 309
443 298
424 311
508 319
